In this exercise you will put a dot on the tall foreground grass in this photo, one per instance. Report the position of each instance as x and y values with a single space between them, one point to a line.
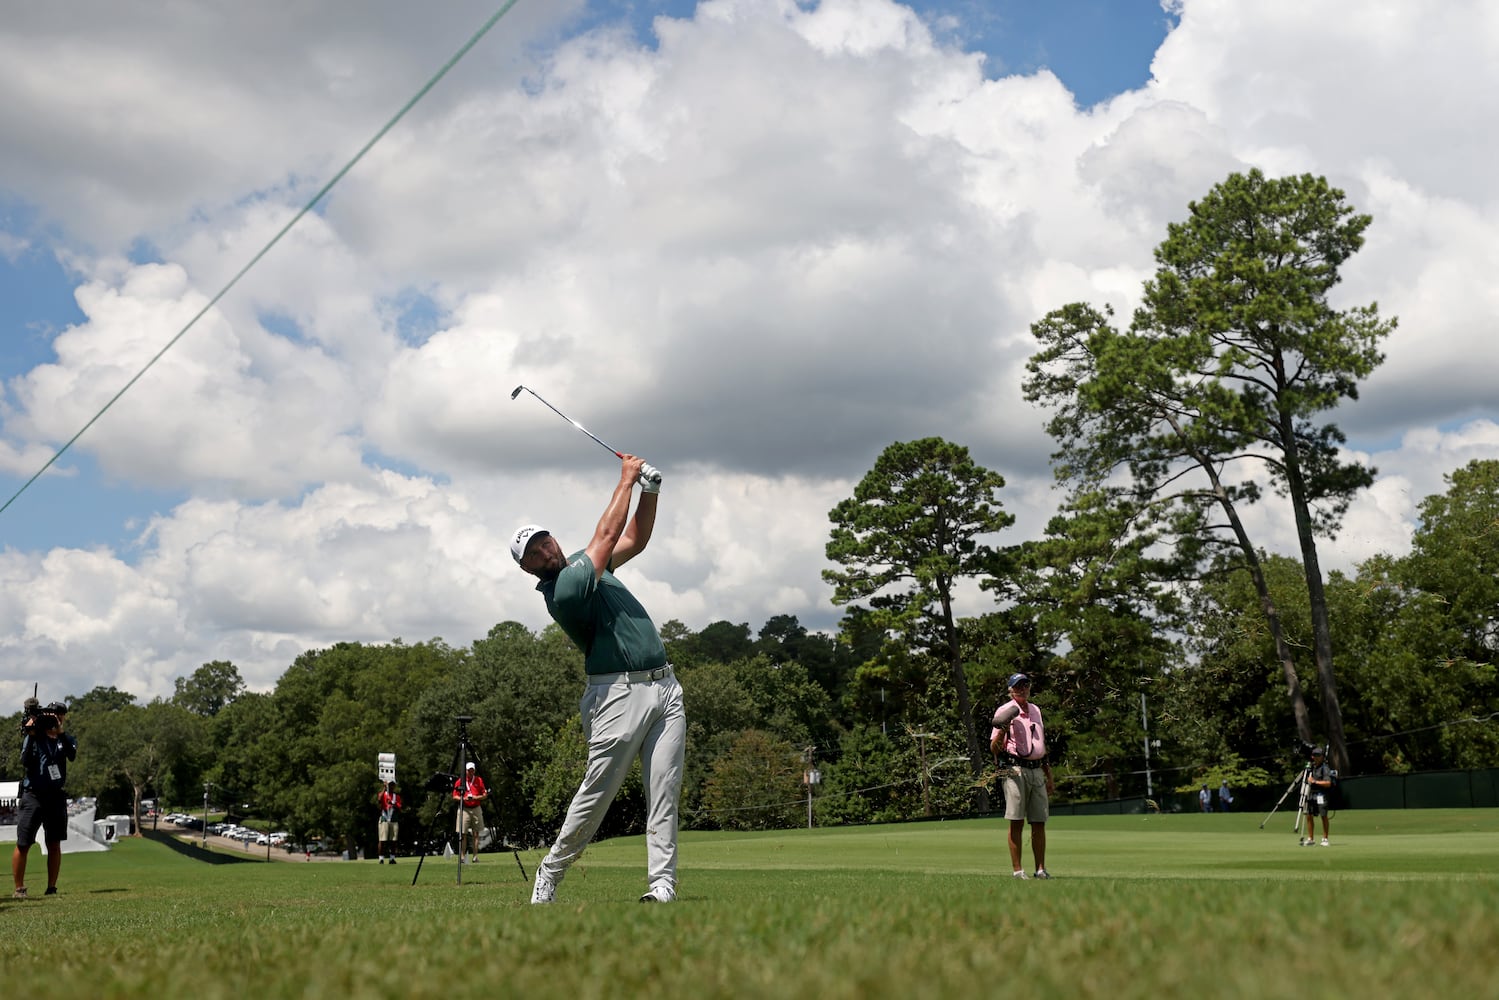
1403 903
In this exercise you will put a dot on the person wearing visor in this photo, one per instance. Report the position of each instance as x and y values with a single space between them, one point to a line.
1018 741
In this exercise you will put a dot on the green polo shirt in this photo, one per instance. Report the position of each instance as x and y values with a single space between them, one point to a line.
602 618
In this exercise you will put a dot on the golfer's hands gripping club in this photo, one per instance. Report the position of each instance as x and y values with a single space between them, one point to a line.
632 469
635 470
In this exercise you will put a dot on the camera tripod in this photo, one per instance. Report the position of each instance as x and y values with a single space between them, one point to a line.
448 782
1304 785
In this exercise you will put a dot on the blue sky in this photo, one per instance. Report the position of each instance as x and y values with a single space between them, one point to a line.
756 253
37 293
77 506
1098 48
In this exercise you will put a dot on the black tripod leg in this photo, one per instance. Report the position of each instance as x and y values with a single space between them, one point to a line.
1284 795
420 858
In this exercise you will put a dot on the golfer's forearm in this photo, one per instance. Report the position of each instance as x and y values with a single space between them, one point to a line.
644 522
612 524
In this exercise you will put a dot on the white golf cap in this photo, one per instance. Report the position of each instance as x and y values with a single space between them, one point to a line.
523 535
470 766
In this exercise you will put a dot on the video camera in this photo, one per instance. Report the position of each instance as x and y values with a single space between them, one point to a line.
1306 750
39 718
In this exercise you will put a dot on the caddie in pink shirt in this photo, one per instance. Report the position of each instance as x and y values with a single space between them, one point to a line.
1018 741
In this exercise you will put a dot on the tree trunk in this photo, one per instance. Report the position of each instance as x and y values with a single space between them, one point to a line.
1267 602
1282 650
1337 746
977 752
137 789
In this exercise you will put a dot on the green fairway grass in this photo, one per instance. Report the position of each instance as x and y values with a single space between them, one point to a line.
1141 906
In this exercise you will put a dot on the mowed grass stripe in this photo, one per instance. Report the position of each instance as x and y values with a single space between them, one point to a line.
1369 844
1141 907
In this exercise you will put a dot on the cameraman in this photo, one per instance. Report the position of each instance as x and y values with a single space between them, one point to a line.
45 752
1321 781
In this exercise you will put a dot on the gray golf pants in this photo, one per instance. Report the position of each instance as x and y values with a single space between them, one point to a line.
626 716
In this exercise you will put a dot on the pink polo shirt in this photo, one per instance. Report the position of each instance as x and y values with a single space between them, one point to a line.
1025 736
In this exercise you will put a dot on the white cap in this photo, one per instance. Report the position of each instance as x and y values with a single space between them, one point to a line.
522 536
470 766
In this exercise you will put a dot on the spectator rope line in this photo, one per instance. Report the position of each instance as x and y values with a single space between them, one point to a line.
453 61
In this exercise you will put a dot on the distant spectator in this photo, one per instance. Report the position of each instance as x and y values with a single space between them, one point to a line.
1225 797
470 792
390 822
1205 799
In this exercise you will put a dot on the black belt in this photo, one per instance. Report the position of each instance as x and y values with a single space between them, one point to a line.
1029 765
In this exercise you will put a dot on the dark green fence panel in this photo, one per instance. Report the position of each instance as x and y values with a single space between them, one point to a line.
1374 791
1106 807
1427 790
1438 790
1486 787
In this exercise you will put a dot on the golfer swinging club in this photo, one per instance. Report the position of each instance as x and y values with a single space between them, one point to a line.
632 706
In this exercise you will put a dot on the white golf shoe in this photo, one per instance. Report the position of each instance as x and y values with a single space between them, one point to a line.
660 894
545 890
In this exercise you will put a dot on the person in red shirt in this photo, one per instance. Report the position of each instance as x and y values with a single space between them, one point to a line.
389 802
470 792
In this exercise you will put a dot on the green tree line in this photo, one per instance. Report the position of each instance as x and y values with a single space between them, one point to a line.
876 717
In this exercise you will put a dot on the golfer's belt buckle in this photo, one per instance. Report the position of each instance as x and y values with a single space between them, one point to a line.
658 673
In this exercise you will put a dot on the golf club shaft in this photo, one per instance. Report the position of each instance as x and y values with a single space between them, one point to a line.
616 453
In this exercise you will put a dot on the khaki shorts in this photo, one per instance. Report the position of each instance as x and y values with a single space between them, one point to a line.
470 820
1025 794
388 829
